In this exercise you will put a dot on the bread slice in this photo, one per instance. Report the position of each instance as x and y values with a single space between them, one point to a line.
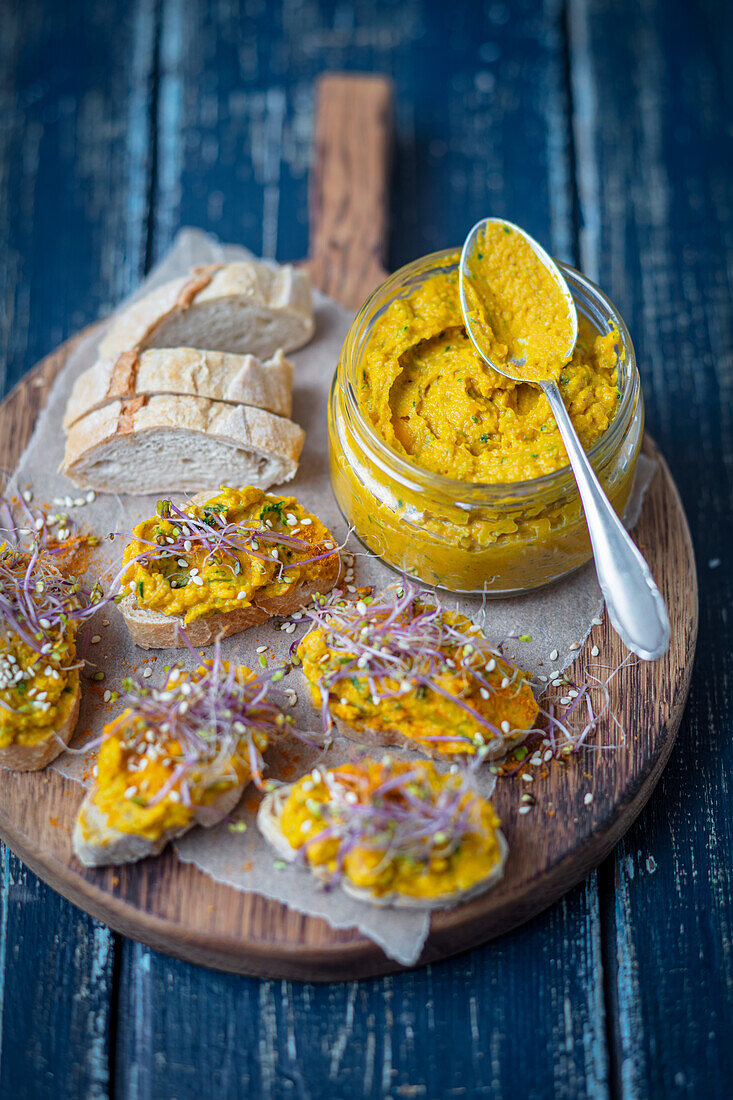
161 444
268 822
32 757
97 844
216 375
244 307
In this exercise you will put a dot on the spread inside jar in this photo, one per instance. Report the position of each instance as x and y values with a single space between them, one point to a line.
215 556
435 400
393 827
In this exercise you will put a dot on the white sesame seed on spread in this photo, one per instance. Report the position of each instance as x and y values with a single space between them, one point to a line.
505 726
588 798
147 672
595 651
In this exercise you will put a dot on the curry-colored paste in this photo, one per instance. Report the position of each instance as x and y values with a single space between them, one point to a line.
428 715
435 400
201 577
449 865
518 311
135 764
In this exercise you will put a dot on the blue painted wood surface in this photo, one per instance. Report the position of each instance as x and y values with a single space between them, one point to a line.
601 126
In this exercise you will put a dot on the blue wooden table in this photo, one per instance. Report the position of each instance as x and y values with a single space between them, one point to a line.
604 127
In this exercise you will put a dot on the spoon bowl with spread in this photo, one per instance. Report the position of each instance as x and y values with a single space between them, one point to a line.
521 318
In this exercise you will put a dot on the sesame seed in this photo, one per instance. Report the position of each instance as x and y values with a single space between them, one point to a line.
96 638
198 580
174 796
107 695
484 693
597 621
505 682
27 496
554 655
588 798
574 645
241 595
306 522
505 726
130 792
527 777
79 502
564 700
491 665
547 756
524 809
595 651
91 496
39 524
261 649
147 672
542 678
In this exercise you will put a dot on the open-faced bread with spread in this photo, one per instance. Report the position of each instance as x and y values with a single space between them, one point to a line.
175 758
396 669
41 608
164 444
244 307
388 832
216 375
221 564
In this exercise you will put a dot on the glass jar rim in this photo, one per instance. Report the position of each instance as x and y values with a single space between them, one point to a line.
599 308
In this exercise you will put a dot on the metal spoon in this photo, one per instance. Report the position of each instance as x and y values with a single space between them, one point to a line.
635 605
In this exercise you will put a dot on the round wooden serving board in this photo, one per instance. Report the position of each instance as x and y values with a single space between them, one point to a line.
176 908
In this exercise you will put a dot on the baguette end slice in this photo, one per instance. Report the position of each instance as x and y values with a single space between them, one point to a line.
32 758
243 307
97 844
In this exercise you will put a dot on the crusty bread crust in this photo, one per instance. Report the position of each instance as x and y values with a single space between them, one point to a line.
96 844
215 375
269 308
396 738
268 822
100 454
154 630
31 758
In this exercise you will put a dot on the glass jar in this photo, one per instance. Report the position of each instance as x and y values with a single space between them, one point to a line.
500 539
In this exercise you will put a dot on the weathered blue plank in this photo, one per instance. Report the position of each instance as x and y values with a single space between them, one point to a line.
654 158
74 175
74 168
482 118
479 1025
55 981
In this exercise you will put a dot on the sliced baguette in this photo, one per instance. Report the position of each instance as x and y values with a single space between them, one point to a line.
32 757
98 844
244 307
268 823
216 375
163 444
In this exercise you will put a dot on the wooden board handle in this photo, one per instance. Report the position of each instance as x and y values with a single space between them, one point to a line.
348 195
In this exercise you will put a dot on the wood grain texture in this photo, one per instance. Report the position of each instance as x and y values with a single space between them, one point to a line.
175 908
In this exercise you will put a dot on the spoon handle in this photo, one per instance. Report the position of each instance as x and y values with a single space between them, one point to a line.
634 602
